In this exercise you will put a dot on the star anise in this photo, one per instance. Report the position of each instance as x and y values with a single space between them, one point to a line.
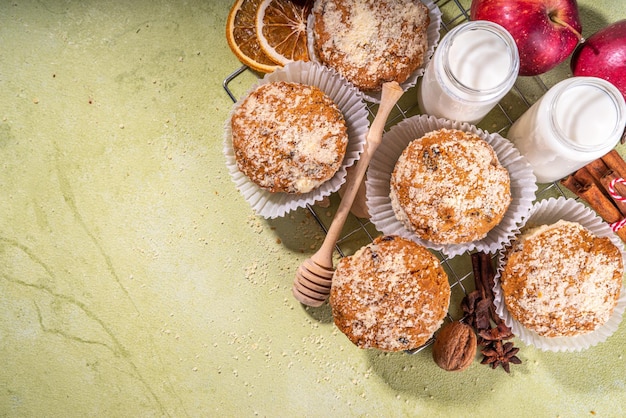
500 332
496 353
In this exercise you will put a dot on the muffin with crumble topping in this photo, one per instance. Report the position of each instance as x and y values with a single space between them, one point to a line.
560 280
448 187
392 295
288 137
373 41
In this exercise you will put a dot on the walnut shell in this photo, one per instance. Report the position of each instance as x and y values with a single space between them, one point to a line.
455 346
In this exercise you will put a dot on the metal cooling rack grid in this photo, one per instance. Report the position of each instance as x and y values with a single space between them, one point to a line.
358 232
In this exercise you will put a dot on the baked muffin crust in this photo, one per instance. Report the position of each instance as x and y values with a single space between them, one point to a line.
448 187
392 294
371 41
288 137
561 280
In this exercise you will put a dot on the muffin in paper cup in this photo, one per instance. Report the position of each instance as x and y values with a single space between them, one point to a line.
523 184
350 102
432 33
548 212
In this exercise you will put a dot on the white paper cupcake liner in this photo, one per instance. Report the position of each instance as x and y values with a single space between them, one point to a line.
548 212
346 97
432 33
523 184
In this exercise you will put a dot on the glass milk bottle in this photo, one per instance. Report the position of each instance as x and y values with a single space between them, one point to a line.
575 122
473 67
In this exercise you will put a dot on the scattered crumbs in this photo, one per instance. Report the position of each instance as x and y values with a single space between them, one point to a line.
121 126
255 223
35 100
195 369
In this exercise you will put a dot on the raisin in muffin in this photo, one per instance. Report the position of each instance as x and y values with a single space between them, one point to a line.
392 294
288 137
448 187
370 42
560 280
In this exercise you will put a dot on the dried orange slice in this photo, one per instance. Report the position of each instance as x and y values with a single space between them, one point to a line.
281 29
242 39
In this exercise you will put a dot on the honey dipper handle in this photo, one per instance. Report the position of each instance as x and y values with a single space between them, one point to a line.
390 95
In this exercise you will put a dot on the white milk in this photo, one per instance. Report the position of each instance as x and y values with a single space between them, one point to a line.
474 66
575 122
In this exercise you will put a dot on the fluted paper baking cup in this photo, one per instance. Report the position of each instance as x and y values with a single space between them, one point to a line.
523 184
346 97
432 34
548 212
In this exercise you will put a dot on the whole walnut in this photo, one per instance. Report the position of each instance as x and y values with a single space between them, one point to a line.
455 346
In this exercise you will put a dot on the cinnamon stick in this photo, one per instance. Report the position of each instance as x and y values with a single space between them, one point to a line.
482 307
597 169
488 277
591 174
596 197
478 276
619 188
573 184
615 162
603 206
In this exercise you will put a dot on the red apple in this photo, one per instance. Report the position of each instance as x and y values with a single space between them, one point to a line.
603 55
546 31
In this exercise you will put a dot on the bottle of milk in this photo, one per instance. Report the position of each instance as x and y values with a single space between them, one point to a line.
475 65
576 121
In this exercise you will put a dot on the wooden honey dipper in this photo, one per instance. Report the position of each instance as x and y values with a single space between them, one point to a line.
314 276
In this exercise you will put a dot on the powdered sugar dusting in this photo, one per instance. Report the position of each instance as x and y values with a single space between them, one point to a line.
449 187
392 294
288 137
560 280
369 41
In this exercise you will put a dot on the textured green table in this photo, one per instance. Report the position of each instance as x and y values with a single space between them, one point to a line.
135 280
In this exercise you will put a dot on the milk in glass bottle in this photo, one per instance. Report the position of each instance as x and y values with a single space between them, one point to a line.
577 121
475 65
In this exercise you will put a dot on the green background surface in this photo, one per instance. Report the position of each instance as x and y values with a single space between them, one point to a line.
136 281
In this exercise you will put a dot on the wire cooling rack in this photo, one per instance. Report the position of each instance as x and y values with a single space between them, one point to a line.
358 232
